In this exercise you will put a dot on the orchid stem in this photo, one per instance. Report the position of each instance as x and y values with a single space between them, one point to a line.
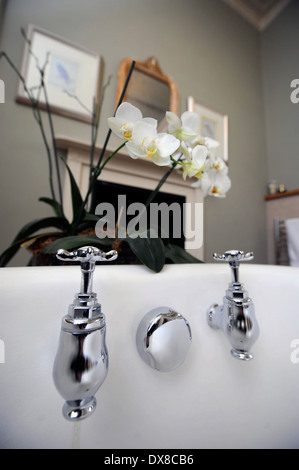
95 127
95 175
155 191
110 156
118 104
99 168
160 184
53 143
37 117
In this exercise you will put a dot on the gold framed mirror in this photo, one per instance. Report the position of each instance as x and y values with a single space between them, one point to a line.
149 89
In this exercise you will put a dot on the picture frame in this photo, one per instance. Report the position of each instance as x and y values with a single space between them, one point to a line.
72 75
212 124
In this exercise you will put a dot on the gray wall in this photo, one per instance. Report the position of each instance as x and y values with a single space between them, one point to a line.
280 63
210 51
2 10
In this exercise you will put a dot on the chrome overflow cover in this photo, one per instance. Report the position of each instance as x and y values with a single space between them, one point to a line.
163 339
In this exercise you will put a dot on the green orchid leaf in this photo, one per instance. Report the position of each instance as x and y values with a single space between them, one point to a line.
77 201
76 241
88 221
38 224
178 255
7 254
91 217
149 250
54 204
25 235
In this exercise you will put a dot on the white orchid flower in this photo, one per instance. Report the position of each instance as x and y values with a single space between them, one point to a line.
216 163
126 116
184 129
220 165
212 144
195 165
185 151
214 183
147 143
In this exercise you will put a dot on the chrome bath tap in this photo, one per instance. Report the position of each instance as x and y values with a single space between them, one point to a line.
81 363
236 317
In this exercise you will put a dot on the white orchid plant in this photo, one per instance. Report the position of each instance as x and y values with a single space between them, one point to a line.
181 148
191 153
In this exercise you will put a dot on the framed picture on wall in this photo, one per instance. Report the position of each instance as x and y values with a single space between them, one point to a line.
72 75
212 124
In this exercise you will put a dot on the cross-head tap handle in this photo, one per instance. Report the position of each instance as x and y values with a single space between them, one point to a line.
87 256
234 257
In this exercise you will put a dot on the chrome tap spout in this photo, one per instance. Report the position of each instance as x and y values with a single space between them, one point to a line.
81 362
236 317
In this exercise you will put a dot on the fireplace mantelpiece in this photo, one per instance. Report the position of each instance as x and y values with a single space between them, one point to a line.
123 170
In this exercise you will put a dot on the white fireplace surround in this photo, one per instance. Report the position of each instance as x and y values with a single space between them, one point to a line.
122 169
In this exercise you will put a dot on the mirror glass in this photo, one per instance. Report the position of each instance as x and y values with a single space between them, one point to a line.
149 89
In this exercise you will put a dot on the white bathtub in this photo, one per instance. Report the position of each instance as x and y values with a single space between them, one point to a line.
211 401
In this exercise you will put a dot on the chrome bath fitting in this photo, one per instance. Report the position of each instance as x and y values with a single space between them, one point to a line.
81 363
236 317
163 339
